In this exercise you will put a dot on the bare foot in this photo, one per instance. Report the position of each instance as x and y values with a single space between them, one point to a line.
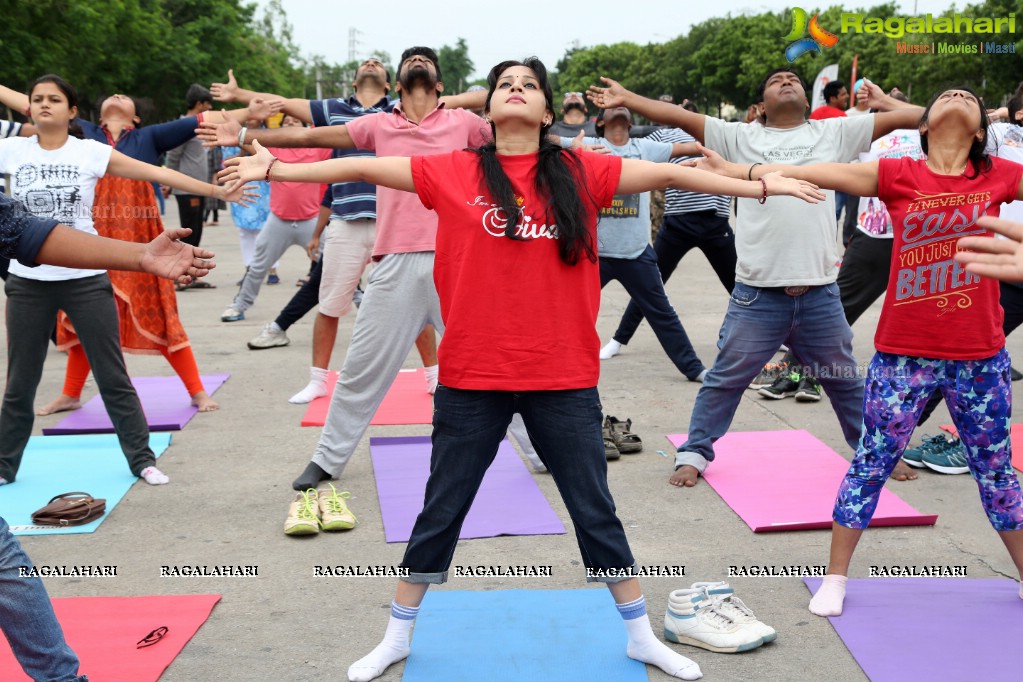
204 402
63 403
685 477
904 472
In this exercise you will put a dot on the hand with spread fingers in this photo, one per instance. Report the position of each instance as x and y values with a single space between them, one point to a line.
215 134
241 169
607 97
998 258
778 184
225 92
265 107
166 256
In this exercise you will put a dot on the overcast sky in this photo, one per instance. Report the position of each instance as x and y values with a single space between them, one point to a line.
512 29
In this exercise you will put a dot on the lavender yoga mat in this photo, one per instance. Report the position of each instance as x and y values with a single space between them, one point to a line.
932 628
787 480
164 400
508 503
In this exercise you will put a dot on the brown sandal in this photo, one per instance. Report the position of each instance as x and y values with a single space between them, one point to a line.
610 449
627 442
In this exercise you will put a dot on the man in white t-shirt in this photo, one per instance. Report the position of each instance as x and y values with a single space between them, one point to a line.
785 290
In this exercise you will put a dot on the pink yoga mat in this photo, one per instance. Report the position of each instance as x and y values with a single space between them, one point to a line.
1015 439
939 629
164 400
104 631
787 480
406 402
508 503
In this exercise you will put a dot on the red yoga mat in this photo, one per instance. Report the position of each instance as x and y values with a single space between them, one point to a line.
104 631
1015 440
787 480
406 402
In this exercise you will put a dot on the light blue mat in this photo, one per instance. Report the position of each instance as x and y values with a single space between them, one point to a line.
515 635
54 465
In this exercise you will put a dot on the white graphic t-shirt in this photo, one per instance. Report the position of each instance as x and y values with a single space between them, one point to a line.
58 184
1005 140
872 217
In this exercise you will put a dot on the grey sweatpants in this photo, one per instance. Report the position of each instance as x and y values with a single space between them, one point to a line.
273 240
32 307
400 300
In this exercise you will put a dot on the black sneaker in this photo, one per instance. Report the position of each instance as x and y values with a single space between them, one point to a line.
784 387
809 390
1014 374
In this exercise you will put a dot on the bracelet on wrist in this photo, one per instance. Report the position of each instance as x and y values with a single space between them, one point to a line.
749 175
241 136
763 183
273 160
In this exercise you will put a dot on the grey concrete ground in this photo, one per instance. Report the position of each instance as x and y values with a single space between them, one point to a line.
231 477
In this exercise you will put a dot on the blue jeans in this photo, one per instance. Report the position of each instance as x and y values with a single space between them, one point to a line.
642 280
28 621
758 321
564 427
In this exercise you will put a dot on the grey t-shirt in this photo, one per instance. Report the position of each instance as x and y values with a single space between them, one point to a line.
190 159
623 230
788 242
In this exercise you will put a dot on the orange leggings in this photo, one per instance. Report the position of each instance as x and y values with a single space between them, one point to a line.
183 362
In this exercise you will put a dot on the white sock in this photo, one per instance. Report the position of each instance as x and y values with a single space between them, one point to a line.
316 388
154 476
392 648
431 378
275 327
701 376
4 481
612 349
645 647
830 596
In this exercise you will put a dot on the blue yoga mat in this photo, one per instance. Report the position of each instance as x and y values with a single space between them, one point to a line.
515 635
53 465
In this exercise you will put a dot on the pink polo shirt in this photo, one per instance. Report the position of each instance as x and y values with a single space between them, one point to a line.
404 225
297 200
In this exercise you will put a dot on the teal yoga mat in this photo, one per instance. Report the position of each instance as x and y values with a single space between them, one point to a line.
53 465
515 635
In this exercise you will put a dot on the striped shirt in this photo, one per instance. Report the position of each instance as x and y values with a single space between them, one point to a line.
351 200
676 201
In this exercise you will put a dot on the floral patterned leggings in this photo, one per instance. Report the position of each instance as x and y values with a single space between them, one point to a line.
979 399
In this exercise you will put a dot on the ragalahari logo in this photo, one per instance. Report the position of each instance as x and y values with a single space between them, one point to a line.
818 36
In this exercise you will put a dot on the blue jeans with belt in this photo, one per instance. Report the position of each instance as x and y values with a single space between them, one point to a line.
564 427
758 321
27 618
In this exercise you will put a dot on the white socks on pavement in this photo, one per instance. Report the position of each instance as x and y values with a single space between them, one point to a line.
393 648
612 349
830 596
431 378
154 476
316 388
645 647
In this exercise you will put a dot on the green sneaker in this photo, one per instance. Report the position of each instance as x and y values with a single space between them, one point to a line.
334 513
914 456
303 516
947 458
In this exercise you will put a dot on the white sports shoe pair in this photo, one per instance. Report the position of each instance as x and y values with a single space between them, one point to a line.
709 615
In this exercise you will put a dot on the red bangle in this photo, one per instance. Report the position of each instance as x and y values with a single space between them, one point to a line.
274 160
763 199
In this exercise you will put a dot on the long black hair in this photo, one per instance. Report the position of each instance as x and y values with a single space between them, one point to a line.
73 129
977 157
558 182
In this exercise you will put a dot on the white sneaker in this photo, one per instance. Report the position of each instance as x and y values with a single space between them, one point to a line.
725 601
692 619
610 350
269 337
232 315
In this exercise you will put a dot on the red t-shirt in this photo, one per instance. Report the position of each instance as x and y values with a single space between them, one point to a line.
826 111
516 317
933 307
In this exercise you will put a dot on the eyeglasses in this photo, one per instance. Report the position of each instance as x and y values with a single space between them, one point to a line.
573 94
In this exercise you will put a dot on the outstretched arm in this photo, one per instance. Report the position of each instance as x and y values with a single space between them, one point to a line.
230 92
642 176
126 167
614 95
998 258
892 114
15 100
389 171
226 135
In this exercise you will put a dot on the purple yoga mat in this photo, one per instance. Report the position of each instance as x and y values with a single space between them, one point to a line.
508 503
164 400
901 629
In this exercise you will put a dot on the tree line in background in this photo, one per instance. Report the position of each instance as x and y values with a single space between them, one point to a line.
154 49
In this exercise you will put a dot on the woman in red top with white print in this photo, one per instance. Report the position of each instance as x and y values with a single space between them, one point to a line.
941 325
517 240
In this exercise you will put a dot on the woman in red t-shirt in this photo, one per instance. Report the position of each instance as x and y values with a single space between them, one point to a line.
516 242
940 327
